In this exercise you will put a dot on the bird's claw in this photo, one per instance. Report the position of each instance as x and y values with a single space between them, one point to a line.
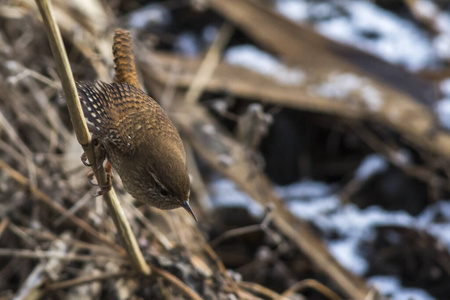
90 177
100 156
104 188
84 160
99 152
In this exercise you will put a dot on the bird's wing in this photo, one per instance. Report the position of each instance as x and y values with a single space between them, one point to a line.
123 114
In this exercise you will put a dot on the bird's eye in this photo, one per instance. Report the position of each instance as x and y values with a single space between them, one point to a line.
164 192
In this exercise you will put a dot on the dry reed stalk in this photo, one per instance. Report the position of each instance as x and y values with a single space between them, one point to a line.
313 284
44 198
82 133
88 279
30 254
209 64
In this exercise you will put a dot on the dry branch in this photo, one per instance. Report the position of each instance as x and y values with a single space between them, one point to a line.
41 196
88 279
325 62
32 288
212 146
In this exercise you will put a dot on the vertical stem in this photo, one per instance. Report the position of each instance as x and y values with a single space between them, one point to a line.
82 133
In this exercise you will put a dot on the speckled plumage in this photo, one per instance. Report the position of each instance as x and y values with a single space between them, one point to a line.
139 139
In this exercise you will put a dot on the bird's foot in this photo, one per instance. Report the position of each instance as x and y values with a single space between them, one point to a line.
84 160
90 177
104 188
99 152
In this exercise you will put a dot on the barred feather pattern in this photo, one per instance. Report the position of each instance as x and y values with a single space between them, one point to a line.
124 58
123 114
139 139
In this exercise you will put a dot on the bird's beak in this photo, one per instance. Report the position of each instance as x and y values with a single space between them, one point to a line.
189 209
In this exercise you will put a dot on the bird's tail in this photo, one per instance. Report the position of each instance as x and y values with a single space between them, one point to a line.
124 58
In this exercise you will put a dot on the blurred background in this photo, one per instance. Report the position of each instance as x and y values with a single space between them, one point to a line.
317 139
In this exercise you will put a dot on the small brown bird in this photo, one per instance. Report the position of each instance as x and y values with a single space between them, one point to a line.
135 135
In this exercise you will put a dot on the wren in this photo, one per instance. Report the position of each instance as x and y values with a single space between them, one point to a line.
134 134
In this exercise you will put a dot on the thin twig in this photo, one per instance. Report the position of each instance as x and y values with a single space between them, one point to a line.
235 232
31 289
42 233
39 195
259 289
88 279
23 253
313 284
3 225
263 226
209 64
82 133
177 283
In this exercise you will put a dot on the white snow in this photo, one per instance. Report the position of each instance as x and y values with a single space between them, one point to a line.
442 108
209 33
441 42
294 10
225 193
313 201
390 286
345 251
442 45
443 112
303 189
250 57
150 14
364 25
370 166
187 44
343 85
445 87
427 8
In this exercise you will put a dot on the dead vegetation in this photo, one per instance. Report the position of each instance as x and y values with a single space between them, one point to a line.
56 241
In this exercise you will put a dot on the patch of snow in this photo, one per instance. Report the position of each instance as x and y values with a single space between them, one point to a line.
366 26
225 193
441 42
209 34
445 86
150 14
391 287
351 223
294 10
312 201
402 157
443 22
350 220
303 189
187 44
426 8
346 253
344 85
440 230
442 45
443 112
371 165
442 107
250 57
311 209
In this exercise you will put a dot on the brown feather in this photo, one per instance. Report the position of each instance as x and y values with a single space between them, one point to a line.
124 58
139 139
